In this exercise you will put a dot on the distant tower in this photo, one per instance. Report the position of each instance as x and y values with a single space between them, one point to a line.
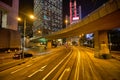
75 9
73 12
80 13
70 11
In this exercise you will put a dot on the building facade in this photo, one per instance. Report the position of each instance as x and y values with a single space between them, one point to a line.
9 36
9 13
49 16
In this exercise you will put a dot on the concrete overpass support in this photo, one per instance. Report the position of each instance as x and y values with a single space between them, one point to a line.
101 44
49 44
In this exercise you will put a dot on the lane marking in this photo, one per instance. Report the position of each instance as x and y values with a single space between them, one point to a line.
16 70
61 70
41 69
55 67
66 70
20 69
28 65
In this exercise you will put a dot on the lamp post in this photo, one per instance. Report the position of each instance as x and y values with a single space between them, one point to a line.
66 22
24 33
24 37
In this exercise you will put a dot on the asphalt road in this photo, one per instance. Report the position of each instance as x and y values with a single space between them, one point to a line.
73 63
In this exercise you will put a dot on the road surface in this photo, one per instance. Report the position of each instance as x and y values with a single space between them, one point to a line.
72 63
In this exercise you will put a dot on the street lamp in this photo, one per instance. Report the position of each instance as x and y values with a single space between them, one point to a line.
39 31
66 22
19 19
32 16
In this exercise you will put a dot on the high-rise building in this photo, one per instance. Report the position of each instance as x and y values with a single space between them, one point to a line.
75 12
49 16
9 13
9 36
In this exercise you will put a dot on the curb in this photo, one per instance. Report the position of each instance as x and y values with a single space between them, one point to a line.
11 64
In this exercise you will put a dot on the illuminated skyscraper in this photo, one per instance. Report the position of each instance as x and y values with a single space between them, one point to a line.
49 16
75 14
70 11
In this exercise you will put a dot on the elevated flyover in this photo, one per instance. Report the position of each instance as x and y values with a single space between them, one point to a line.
105 17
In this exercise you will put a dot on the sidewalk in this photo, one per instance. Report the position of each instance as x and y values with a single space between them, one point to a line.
6 60
6 57
11 64
116 54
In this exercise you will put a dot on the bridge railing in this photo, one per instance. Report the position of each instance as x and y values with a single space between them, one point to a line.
105 9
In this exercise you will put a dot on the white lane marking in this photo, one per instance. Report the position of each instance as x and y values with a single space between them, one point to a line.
28 65
66 70
20 69
41 69
55 67
16 70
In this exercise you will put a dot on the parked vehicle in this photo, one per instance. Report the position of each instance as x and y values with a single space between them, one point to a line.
20 55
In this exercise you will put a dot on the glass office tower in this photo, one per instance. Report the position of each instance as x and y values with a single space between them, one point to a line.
48 16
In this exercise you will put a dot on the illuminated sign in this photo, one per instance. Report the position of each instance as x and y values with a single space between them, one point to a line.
75 18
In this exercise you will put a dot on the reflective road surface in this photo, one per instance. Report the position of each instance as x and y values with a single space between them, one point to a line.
73 63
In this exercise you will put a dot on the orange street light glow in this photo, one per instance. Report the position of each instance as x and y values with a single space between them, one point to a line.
32 17
19 19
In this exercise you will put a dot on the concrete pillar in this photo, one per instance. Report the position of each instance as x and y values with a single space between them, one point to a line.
68 41
101 44
49 44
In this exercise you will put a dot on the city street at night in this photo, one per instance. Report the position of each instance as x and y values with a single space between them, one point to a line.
59 39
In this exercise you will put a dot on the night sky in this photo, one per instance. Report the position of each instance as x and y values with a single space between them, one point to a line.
26 6
87 6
